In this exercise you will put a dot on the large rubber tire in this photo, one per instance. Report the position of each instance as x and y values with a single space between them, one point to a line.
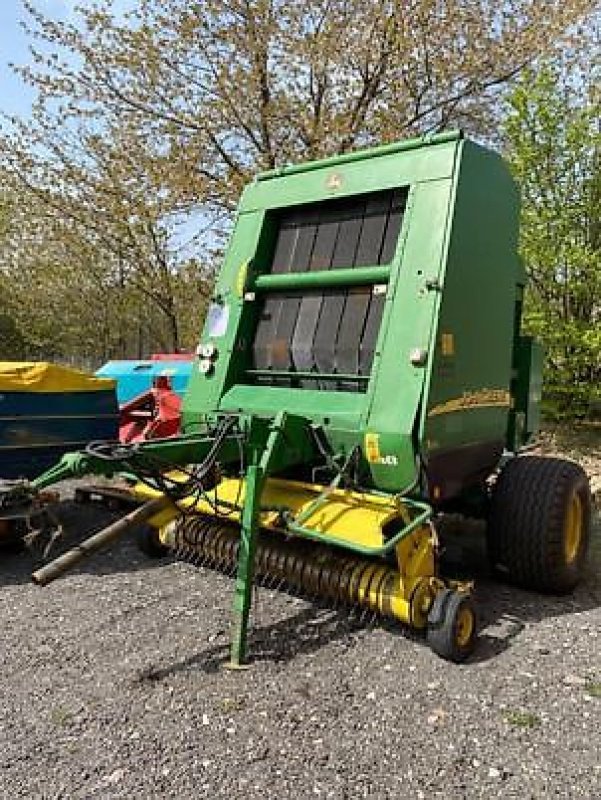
539 523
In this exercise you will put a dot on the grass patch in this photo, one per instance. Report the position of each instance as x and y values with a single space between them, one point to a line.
60 716
593 689
229 704
522 719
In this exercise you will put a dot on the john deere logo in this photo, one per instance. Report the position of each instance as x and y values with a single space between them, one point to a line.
334 181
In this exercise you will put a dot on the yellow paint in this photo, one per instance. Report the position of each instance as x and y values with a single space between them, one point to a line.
374 595
345 515
372 447
573 529
416 561
448 344
400 608
464 626
41 376
405 593
415 554
334 181
242 279
365 583
483 398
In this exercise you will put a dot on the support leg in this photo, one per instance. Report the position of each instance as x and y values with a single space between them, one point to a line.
246 559
265 448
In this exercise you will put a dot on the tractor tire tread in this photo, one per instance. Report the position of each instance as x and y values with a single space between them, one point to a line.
526 524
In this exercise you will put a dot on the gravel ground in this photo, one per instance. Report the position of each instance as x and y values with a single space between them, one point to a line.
114 687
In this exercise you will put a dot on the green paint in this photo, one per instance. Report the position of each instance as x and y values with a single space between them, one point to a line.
455 271
346 158
425 513
269 451
360 276
246 560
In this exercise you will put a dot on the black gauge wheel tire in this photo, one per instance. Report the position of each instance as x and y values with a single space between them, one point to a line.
149 542
452 625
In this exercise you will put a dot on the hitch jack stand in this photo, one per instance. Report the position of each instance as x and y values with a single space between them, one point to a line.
263 455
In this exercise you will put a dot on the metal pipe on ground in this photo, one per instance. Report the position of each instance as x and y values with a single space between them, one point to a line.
60 565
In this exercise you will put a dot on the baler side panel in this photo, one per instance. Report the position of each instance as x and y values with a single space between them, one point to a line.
409 305
398 377
469 392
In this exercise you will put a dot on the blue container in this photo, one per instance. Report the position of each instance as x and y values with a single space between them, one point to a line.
135 377
46 411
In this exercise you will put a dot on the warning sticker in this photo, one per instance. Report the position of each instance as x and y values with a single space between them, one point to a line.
372 447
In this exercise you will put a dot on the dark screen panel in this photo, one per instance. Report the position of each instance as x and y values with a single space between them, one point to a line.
370 333
270 315
373 316
369 248
334 331
326 332
350 331
393 227
310 307
377 210
306 233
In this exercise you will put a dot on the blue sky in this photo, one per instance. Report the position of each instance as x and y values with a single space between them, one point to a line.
16 97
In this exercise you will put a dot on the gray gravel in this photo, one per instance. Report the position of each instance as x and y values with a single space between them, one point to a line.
113 686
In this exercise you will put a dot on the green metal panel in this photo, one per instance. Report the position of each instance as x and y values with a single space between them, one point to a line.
344 178
529 357
205 391
441 369
339 409
309 280
469 384
397 384
374 152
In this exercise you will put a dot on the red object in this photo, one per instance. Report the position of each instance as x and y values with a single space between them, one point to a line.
172 356
154 414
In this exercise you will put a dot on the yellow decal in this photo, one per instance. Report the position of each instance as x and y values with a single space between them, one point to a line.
372 447
448 344
334 181
484 398
241 279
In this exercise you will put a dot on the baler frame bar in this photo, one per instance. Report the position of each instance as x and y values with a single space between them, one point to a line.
421 519
331 376
322 279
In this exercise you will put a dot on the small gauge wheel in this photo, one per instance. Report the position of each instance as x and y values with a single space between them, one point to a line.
149 542
452 625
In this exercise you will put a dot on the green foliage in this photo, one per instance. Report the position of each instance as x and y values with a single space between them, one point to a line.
522 719
148 123
554 144
593 689
12 344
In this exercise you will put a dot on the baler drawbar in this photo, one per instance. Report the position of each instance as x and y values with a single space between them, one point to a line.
361 373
